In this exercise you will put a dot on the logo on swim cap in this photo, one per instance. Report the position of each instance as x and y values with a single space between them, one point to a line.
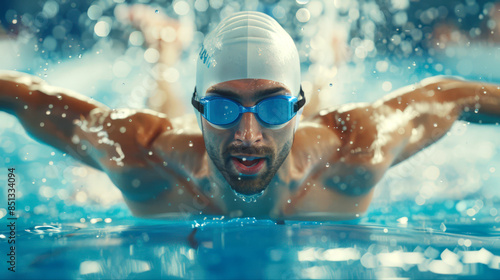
205 57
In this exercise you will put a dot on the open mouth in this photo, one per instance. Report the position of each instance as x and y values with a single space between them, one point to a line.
247 165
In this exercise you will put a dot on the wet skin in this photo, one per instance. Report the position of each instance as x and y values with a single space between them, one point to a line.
162 165
248 153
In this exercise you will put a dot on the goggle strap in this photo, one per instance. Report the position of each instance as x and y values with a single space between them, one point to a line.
300 103
196 104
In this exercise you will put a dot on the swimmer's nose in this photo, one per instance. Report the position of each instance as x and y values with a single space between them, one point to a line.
248 130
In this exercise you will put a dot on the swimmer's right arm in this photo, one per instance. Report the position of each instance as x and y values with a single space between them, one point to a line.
46 112
117 141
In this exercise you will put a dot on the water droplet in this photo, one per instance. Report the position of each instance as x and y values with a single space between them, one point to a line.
467 242
136 183
157 11
289 201
327 164
190 144
331 84
435 124
47 112
150 153
248 198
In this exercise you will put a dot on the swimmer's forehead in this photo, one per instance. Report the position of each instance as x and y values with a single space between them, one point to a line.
255 87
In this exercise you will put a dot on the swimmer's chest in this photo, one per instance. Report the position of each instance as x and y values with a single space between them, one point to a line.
311 200
314 199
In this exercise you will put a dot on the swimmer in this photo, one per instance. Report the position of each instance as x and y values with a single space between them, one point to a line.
246 152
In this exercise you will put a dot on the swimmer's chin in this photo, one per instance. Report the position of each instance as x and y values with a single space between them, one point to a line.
247 188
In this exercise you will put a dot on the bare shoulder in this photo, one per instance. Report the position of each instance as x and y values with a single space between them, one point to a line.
356 127
183 145
348 161
352 128
119 137
136 148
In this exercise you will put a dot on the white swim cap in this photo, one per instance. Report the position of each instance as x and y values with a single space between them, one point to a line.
247 45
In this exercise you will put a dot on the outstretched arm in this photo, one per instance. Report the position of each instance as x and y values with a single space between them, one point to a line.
131 146
404 122
428 110
48 113
369 138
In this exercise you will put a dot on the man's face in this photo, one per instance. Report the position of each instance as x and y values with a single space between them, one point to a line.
248 153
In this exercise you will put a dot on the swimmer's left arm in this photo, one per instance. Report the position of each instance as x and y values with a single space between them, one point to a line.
478 101
375 136
416 116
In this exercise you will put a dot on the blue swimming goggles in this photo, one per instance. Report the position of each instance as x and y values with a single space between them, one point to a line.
274 110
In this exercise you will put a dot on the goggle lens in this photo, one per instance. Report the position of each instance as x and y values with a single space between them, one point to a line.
222 111
274 111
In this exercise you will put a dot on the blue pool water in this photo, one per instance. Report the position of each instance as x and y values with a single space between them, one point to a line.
436 215
376 246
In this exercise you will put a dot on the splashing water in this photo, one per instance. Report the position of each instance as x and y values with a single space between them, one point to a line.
249 198
44 229
104 139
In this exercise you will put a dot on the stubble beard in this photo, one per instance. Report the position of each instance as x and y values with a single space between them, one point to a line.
247 185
